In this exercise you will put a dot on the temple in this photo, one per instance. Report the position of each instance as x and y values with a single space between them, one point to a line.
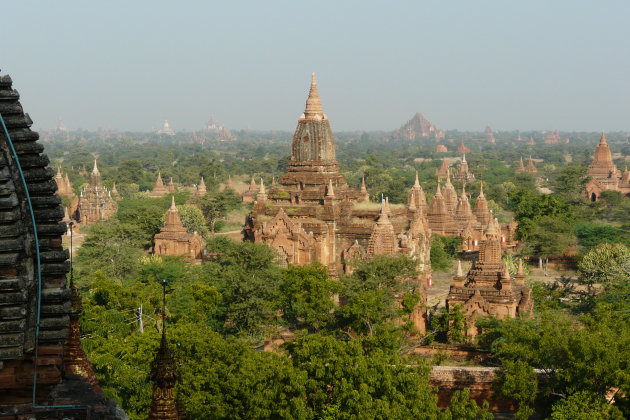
489 135
250 195
489 288
418 127
159 189
440 148
530 168
463 174
63 184
95 201
174 240
40 350
313 215
463 149
165 130
604 173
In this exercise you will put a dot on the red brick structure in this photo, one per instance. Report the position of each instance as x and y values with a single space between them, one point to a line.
313 215
159 189
174 240
418 127
95 201
604 173
488 288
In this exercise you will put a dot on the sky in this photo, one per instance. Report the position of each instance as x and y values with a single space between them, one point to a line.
129 65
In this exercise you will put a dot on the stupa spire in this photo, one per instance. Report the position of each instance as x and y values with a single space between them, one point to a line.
330 192
95 169
313 102
460 272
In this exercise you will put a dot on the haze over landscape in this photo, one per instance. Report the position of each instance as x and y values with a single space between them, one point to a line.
130 65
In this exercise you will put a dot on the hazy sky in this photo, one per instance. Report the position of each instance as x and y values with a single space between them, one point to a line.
130 64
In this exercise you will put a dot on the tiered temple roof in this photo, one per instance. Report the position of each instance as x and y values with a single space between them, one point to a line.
464 174
604 173
312 214
174 240
95 201
489 288
159 189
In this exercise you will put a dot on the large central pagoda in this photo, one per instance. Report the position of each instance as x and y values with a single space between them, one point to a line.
313 164
312 215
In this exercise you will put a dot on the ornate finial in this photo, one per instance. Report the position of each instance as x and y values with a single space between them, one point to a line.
438 191
173 207
95 170
602 139
313 103
481 190
460 272
261 190
506 272
417 182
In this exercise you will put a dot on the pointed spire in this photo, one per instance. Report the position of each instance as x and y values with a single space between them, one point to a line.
363 187
464 158
173 207
602 139
506 272
438 191
460 272
95 170
329 190
481 190
417 181
313 103
520 267
383 218
59 175
262 190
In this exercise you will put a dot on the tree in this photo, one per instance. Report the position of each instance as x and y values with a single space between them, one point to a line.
607 265
571 180
585 405
111 247
549 236
371 293
192 219
346 380
517 380
307 295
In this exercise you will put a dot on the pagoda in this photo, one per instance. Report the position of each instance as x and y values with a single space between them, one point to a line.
166 130
249 196
489 288
462 149
604 173
174 240
531 168
418 127
442 171
201 190
313 215
159 189
439 217
95 201
489 134
464 174
63 184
